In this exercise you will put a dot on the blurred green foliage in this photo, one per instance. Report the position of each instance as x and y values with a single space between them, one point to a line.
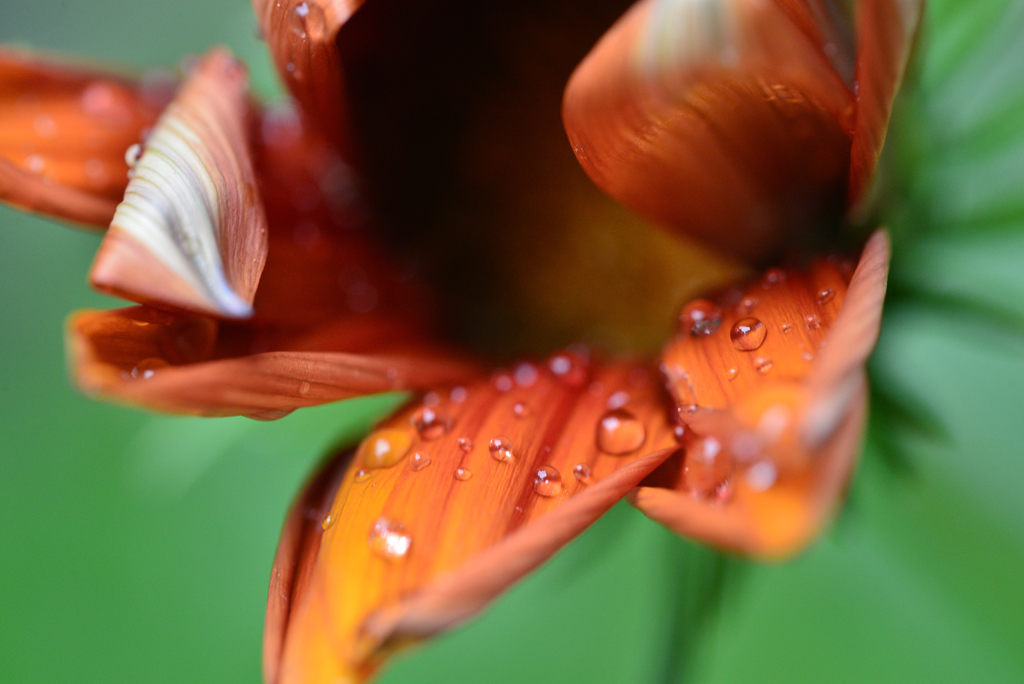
137 548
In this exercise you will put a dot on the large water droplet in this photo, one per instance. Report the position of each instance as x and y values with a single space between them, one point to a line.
706 466
503 382
826 295
700 318
431 423
582 472
463 474
748 334
307 20
501 449
547 481
419 461
389 540
385 448
619 432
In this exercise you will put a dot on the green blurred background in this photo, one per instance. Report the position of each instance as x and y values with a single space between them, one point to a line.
137 548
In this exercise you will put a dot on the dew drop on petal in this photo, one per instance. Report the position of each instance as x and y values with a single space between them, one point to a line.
617 400
526 374
431 423
547 481
419 461
786 328
458 395
132 154
826 295
465 443
569 369
501 449
700 318
731 373
619 432
762 475
706 465
747 305
389 540
582 472
326 522
503 382
35 163
363 475
463 474
304 387
763 364
748 334
812 322
520 410
384 448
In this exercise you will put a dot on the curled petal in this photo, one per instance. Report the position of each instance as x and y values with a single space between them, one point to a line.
191 231
65 132
448 503
772 394
726 119
200 366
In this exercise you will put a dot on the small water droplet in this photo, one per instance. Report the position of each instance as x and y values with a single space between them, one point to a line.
547 481
132 155
431 399
569 369
762 475
700 318
431 423
747 305
772 277
503 382
763 364
326 522
389 540
688 408
748 334
786 328
384 448
147 368
501 449
617 400
520 410
706 465
619 432
363 475
812 322
731 373
463 474
307 19
419 461
807 356
466 444
680 433
582 472
458 395
826 295
303 387
526 374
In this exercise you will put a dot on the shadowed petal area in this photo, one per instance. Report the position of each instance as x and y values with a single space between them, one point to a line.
770 382
885 34
448 503
200 366
301 36
724 119
191 232
65 132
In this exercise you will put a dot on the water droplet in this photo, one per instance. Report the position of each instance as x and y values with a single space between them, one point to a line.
363 475
807 356
463 474
619 432
617 400
132 155
772 277
748 334
419 461
680 433
569 369
466 444
582 472
307 19
303 387
35 163
786 328
431 423
526 374
747 305
384 448
503 382
520 410
147 368
700 318
812 322
688 408
501 449
547 481
458 395
762 475
389 540
731 373
826 295
326 522
763 364
706 465
108 103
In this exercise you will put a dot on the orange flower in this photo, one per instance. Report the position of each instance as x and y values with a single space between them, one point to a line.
260 246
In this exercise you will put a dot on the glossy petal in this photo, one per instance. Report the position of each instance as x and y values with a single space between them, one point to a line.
301 36
774 400
191 232
725 119
885 34
65 132
200 366
473 520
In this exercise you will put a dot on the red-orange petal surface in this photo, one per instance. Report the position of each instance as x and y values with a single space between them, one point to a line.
726 120
64 136
197 365
191 232
770 381
449 502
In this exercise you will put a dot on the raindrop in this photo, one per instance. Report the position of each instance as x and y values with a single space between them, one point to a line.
700 318
431 423
617 400
748 334
132 154
307 19
431 399
688 408
501 449
147 368
826 295
763 364
326 522
772 277
762 475
363 475
458 395
582 472
389 540
786 328
465 443
520 410
419 461
812 321
45 126
731 373
303 387
385 448
706 466
503 382
747 305
526 374
463 474
619 432
547 481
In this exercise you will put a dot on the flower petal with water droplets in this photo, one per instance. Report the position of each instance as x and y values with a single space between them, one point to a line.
65 132
191 231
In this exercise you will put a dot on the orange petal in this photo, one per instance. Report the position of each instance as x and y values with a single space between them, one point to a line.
725 119
200 366
885 34
64 135
191 232
774 397
448 503
301 36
